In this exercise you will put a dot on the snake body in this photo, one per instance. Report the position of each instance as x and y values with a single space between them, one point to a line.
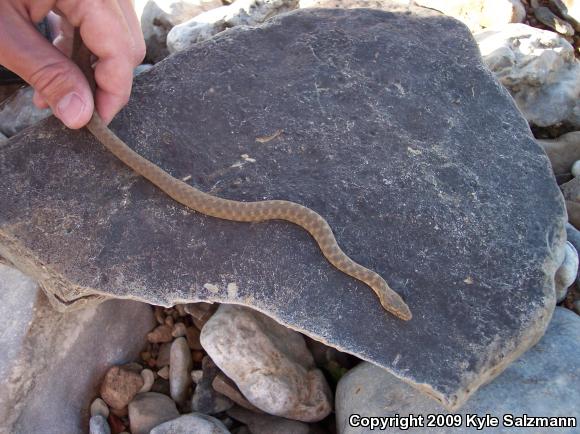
233 210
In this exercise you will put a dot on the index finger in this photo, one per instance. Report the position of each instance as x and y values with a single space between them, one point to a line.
106 33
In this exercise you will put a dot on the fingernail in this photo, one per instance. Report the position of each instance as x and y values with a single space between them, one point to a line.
69 109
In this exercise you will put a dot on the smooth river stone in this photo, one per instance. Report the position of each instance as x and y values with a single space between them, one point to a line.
418 158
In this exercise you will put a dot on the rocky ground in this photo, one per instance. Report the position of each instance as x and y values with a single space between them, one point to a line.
209 368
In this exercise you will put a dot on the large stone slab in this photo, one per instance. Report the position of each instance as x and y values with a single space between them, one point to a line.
389 125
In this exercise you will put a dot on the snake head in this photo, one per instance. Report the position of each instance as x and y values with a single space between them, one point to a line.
395 305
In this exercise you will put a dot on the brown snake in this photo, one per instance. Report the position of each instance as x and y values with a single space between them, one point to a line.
233 210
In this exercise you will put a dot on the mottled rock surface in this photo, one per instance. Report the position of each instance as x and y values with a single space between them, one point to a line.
18 112
410 148
43 350
543 382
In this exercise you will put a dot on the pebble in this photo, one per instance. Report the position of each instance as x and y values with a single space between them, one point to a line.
164 372
98 425
120 385
193 423
192 336
547 17
180 366
539 69
562 151
150 409
205 399
163 355
179 329
148 380
268 424
228 388
160 334
200 312
98 406
196 375
269 363
567 272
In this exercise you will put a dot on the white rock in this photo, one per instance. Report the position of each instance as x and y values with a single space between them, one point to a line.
539 69
99 406
18 112
98 425
476 14
147 410
148 380
193 423
566 274
241 12
180 365
160 16
269 363
542 382
576 169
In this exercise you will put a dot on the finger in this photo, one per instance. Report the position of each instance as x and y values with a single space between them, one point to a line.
107 34
57 80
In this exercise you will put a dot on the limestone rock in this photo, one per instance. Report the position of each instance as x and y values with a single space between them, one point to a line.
539 69
180 366
479 13
269 363
562 151
239 13
18 112
464 220
49 367
537 384
193 423
160 16
268 424
149 410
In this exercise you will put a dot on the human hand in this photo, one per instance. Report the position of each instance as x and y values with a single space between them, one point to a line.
110 30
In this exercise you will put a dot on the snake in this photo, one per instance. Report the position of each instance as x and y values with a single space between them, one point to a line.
234 210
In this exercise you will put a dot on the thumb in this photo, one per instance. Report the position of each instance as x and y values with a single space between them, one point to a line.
53 75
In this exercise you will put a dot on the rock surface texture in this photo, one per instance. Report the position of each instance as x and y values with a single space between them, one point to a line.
538 384
412 151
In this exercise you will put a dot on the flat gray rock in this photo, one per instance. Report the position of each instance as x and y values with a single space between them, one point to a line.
409 147
544 382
